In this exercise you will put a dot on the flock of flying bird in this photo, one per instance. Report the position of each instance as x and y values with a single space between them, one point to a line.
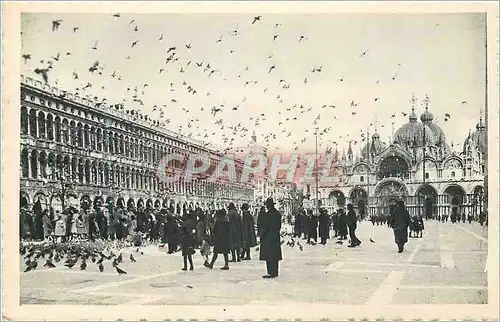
231 132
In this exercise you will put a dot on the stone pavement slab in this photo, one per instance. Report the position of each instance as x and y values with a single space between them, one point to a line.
445 266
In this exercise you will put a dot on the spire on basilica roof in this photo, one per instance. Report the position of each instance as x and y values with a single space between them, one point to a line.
426 116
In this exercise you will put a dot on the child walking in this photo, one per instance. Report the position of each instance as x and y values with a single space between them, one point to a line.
187 242
205 249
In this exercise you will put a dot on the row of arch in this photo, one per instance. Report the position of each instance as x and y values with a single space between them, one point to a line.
40 125
42 165
363 167
451 190
68 106
93 202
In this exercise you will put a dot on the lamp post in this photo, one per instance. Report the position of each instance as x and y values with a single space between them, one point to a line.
317 169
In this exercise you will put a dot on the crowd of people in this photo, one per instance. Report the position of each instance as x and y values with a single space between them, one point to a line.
230 232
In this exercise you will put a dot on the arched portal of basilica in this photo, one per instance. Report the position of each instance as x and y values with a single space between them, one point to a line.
338 196
359 199
387 193
427 198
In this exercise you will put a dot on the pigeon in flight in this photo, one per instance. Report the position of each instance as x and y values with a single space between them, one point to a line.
255 19
26 57
44 72
56 24
364 53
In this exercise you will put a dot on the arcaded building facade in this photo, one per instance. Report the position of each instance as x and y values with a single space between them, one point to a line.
95 155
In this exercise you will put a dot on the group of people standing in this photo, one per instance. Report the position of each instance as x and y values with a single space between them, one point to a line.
235 234
310 225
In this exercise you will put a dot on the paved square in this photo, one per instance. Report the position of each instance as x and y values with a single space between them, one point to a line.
446 266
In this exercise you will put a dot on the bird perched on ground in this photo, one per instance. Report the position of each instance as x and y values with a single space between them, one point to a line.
120 271
101 267
132 259
49 264
83 265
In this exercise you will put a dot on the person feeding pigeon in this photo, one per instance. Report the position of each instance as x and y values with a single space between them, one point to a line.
270 245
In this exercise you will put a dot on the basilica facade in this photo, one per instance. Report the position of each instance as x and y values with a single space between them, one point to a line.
76 151
418 166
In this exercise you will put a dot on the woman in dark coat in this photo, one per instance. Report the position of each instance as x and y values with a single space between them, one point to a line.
235 224
270 243
222 240
342 224
400 220
324 226
248 239
171 233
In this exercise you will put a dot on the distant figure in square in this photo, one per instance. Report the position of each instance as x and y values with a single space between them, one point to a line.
270 244
400 220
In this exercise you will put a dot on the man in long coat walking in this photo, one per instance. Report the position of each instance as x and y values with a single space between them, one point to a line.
248 237
400 220
270 245
352 224
324 226
235 225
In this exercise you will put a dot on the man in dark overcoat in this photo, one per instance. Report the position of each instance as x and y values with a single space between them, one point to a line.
400 220
248 237
342 224
352 224
270 243
235 225
324 226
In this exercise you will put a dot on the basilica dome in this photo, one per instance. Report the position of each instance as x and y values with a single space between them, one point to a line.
438 133
376 146
411 134
477 138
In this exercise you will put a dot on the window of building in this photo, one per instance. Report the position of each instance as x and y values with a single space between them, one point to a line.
427 175
453 174
362 178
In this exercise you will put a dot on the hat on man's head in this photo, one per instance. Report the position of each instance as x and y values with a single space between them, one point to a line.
269 202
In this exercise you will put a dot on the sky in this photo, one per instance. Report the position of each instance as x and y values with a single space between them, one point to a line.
324 64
